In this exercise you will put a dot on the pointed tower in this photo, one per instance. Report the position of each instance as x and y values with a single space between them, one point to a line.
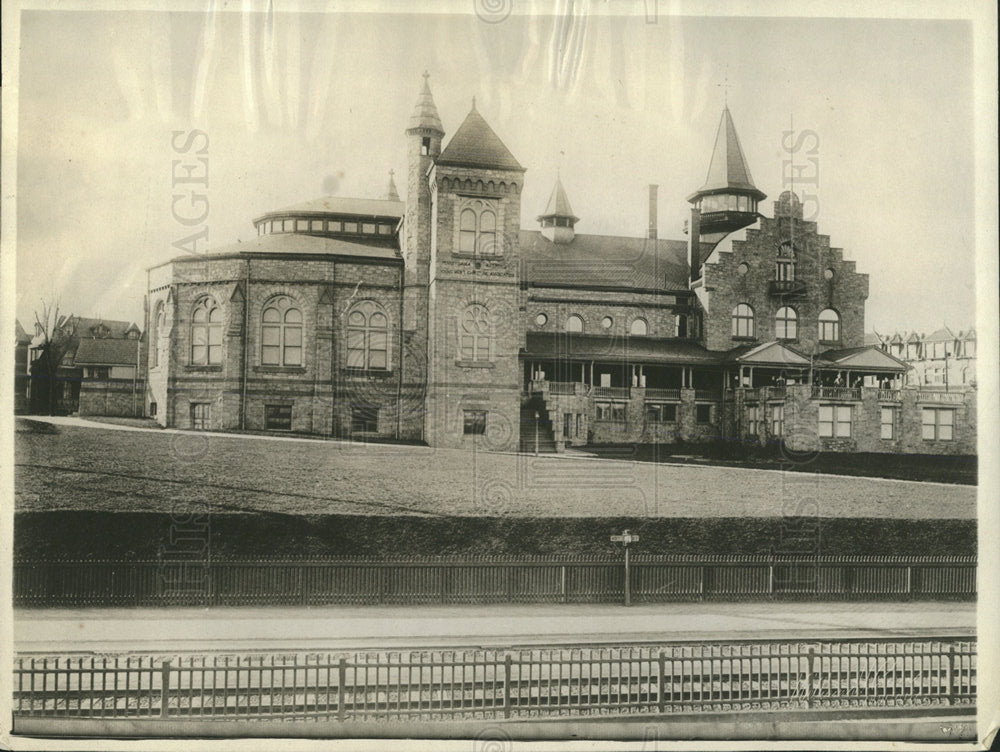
391 194
727 202
558 219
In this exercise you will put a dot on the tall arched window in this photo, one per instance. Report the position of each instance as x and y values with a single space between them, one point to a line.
743 321
159 319
574 324
639 327
281 333
477 230
367 337
786 323
829 325
476 334
785 268
206 333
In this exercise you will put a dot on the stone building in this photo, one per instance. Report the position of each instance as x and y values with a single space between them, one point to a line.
447 319
943 359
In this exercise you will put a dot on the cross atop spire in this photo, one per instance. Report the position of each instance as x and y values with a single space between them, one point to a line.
391 194
473 102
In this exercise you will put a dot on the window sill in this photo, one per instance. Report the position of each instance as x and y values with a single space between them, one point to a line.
279 369
475 364
365 374
203 368
477 256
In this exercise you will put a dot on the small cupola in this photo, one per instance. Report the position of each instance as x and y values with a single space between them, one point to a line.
558 220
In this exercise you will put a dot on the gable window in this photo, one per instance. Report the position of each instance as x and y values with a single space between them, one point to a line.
786 323
367 337
474 422
477 230
574 324
938 424
835 421
476 334
281 333
206 333
829 326
639 328
785 267
743 321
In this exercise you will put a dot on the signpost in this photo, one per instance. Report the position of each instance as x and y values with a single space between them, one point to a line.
625 539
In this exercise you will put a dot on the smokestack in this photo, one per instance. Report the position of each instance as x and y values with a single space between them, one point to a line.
652 211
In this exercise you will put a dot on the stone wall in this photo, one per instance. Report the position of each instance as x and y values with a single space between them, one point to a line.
113 397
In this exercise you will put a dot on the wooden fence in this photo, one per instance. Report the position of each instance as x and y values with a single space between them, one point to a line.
495 580
497 683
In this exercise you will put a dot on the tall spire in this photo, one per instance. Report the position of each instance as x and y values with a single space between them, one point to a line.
558 219
728 168
425 114
391 194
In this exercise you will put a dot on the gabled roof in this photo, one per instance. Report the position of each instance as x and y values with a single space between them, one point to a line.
914 337
944 334
896 337
90 328
425 113
863 357
476 145
334 205
21 336
604 347
970 334
874 338
558 205
728 169
107 352
604 261
768 353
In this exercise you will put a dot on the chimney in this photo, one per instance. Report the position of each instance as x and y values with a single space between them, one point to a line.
652 211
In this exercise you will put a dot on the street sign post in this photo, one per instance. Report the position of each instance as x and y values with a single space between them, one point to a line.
625 539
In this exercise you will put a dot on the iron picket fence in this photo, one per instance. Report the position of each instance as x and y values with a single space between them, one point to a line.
429 580
501 683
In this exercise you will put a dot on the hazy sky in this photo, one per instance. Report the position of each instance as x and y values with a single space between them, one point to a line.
297 106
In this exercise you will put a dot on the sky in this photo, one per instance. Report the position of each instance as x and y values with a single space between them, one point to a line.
297 105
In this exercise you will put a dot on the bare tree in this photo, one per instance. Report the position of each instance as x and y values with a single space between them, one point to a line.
53 344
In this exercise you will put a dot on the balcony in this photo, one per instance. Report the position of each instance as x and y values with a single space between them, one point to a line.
663 394
562 387
787 288
707 394
840 393
890 395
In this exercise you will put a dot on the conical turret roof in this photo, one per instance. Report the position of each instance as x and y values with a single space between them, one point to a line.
391 194
558 205
476 145
425 114
728 169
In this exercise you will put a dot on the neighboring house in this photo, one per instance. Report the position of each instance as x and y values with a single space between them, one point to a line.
101 368
22 343
944 359
444 318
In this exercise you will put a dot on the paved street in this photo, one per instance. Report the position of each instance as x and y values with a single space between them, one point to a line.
113 630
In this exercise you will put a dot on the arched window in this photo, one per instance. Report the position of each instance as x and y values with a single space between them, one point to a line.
159 319
829 325
785 269
574 324
786 323
367 337
639 327
476 334
743 321
281 333
477 230
206 333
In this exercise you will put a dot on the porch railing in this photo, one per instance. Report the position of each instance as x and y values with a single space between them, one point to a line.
837 393
613 392
562 387
890 395
663 394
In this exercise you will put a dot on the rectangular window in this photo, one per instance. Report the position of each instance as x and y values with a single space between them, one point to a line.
334 226
425 146
315 225
368 228
835 421
474 422
152 409
350 226
355 348
288 225
703 413
777 420
938 424
888 422
201 415
385 229
613 412
364 419
278 417
661 413
301 225
275 226
753 420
